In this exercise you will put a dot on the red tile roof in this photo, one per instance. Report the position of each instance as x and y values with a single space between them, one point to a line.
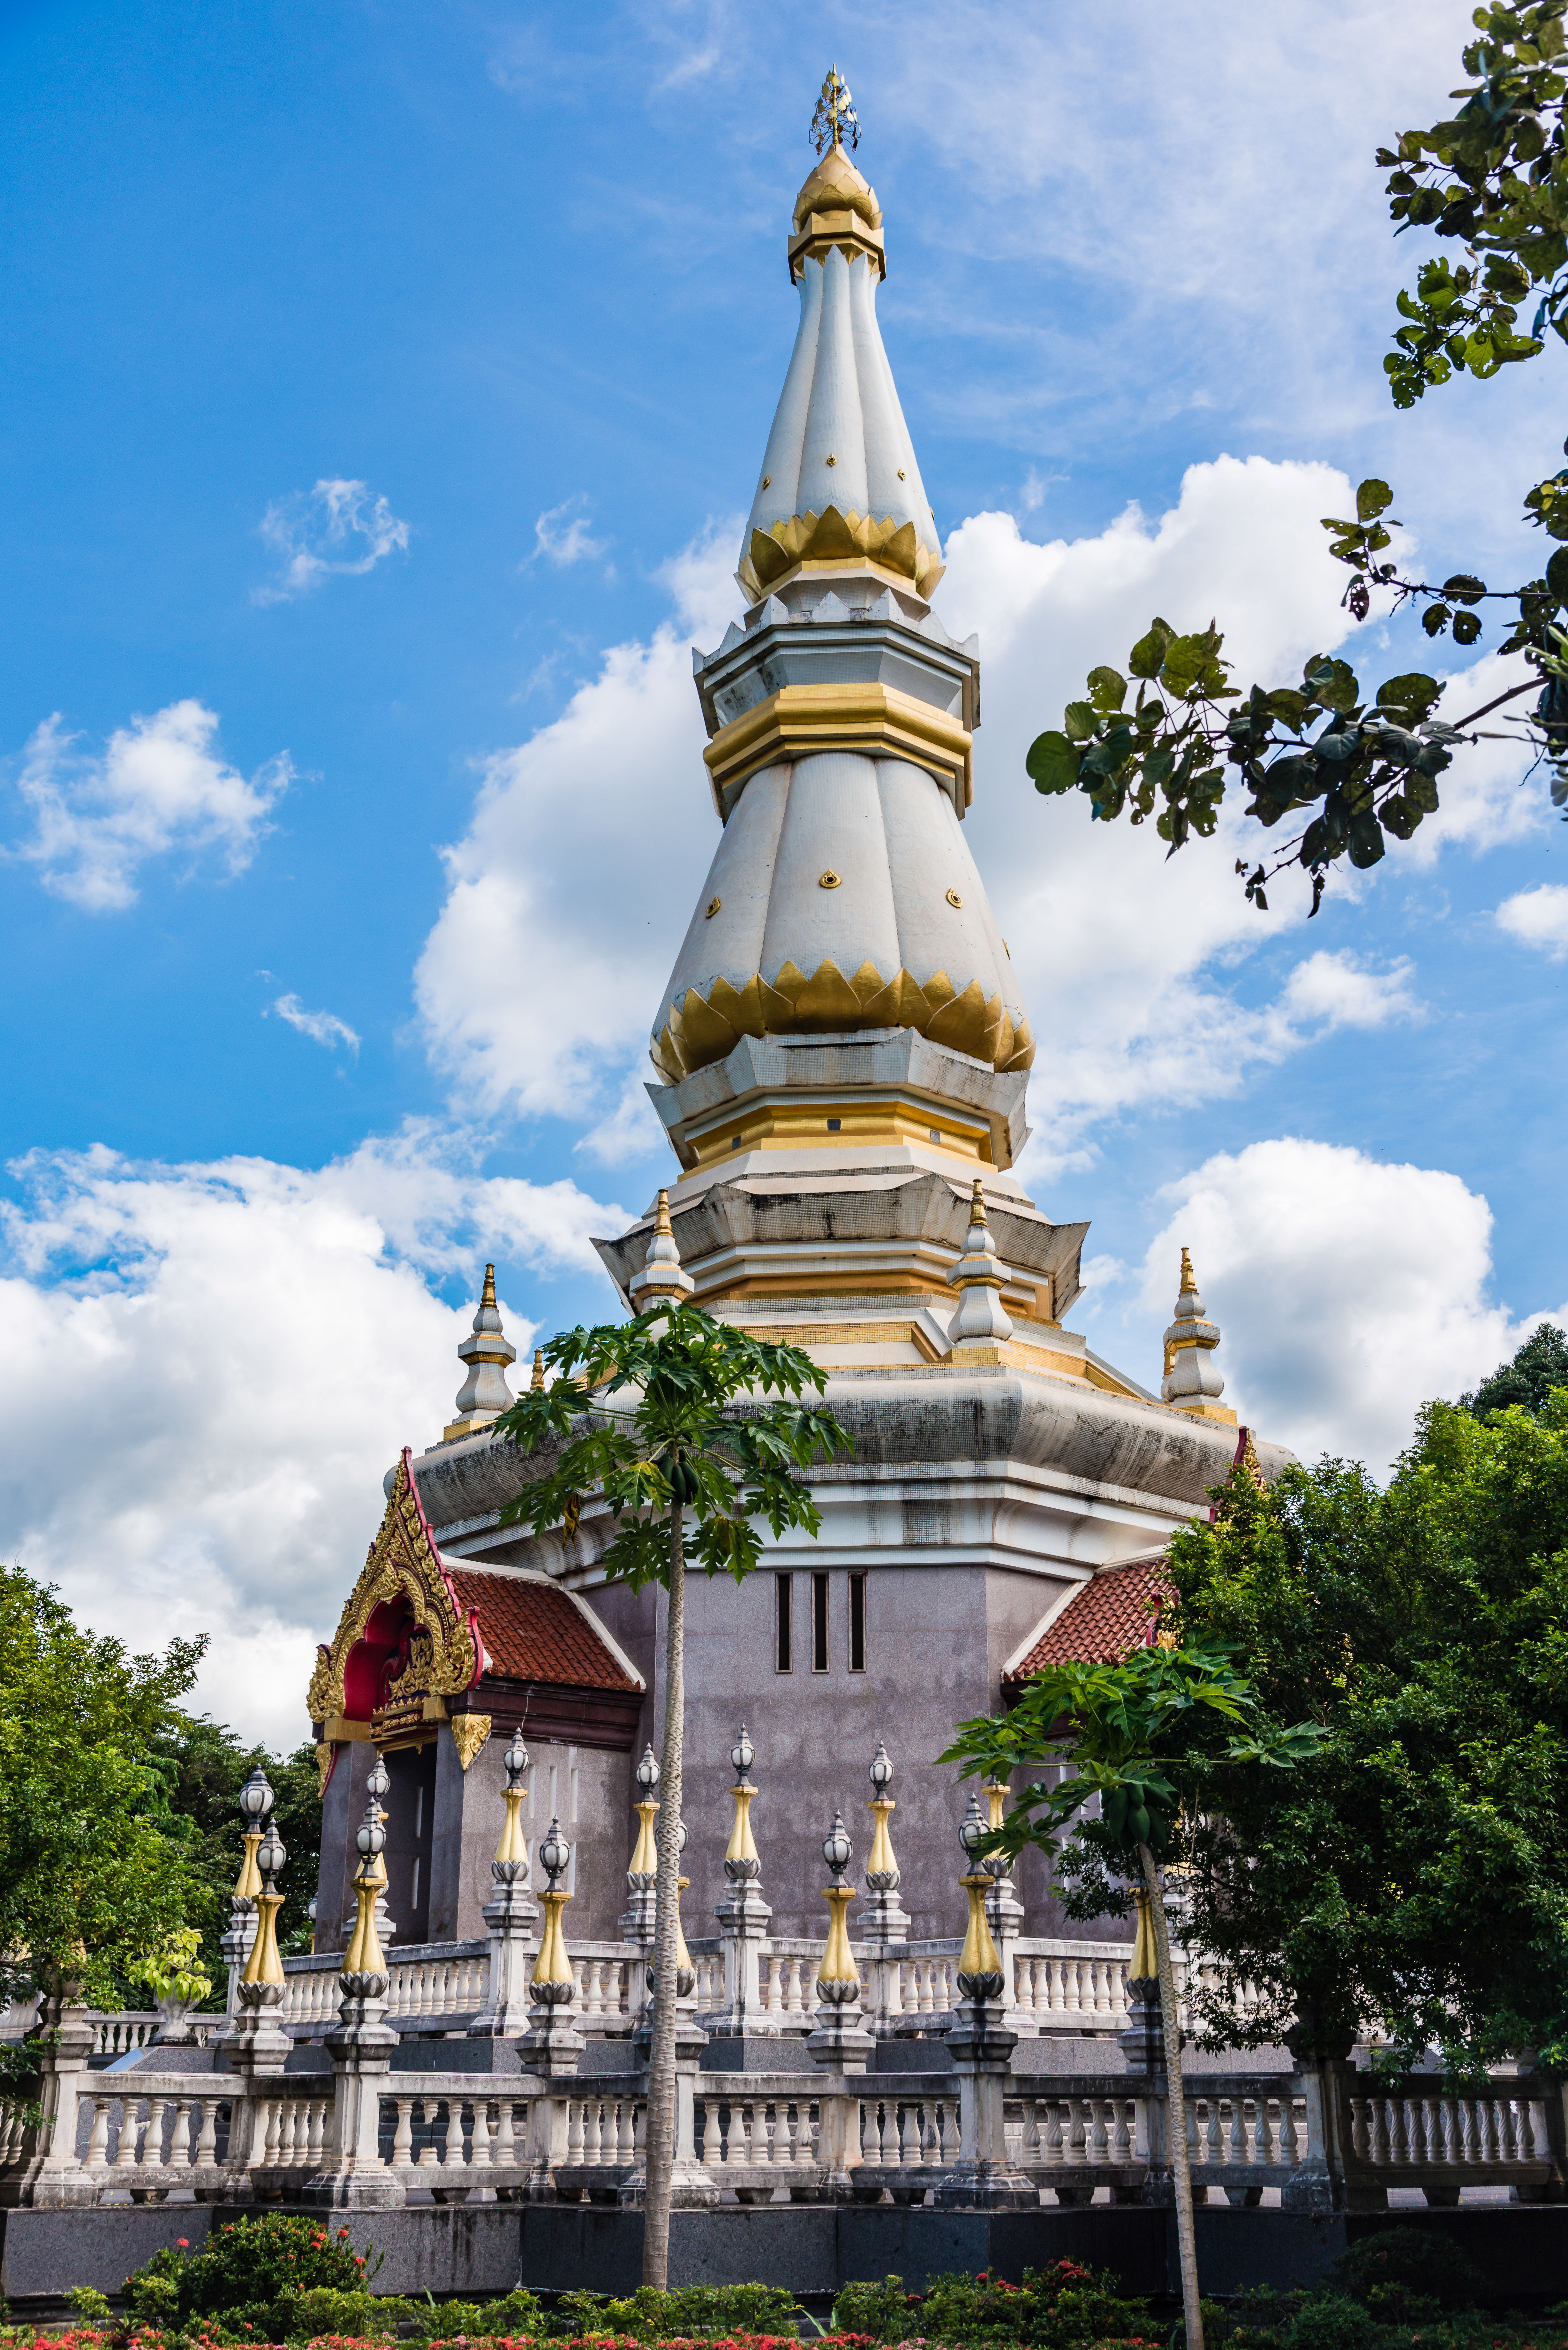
535 1633
1103 1622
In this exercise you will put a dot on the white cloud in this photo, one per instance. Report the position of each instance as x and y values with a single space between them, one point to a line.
568 895
321 1027
1340 993
159 788
563 536
313 535
205 1371
1348 1291
1539 917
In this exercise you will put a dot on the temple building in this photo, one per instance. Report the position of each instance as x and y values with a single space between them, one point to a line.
843 1058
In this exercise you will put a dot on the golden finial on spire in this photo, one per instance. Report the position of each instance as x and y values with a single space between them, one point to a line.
538 1367
661 1218
1188 1278
835 114
487 1296
977 1204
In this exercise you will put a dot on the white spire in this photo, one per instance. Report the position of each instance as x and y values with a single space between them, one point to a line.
484 1394
1192 1380
839 478
980 1273
661 1281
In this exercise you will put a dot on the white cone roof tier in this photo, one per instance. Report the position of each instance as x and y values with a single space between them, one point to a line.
840 477
842 897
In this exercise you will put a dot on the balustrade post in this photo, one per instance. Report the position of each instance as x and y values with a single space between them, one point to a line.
744 1919
884 1921
637 1919
983 2176
840 2038
1005 1913
510 1916
361 2044
256 2046
1324 2178
1143 2041
54 2179
551 2045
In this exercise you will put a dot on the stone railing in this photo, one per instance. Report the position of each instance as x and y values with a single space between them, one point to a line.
1324 2140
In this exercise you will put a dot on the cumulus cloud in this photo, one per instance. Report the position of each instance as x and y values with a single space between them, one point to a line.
160 788
568 895
564 535
206 1370
1538 917
338 528
1348 1290
321 1027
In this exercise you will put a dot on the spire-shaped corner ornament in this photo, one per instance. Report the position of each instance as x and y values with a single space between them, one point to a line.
661 1281
980 1326
484 1394
1192 1380
836 122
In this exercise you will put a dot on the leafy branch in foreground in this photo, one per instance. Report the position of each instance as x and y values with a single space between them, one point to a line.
1495 176
1367 769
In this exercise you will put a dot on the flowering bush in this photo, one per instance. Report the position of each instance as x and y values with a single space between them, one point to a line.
250 2283
1064 2307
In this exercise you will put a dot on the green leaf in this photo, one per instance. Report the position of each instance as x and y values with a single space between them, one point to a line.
1364 839
1329 683
1148 655
1467 627
1557 575
1080 721
1052 763
1190 664
1107 688
1409 696
1371 499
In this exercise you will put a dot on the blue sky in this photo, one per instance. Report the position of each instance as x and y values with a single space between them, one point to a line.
383 388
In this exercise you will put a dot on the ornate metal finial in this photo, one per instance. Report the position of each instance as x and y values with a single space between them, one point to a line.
486 1355
538 1368
977 1204
487 1294
836 122
1188 1278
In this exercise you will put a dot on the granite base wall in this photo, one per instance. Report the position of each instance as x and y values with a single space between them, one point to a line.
486 2248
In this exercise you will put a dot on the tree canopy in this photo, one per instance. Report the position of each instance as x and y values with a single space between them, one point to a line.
1359 767
1411 1875
1541 1364
204 1764
97 1874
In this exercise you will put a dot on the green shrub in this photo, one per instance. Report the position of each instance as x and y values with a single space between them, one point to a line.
444 2321
322 2309
1064 2307
90 2305
1395 2263
249 2282
882 2311
649 2315
1332 2321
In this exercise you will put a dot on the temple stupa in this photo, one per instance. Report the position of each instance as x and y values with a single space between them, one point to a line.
843 1055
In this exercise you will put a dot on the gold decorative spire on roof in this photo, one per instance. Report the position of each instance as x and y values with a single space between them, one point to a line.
487 1295
1188 1278
977 1205
538 1380
835 114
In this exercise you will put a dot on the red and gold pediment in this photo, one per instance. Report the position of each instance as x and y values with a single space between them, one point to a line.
405 1635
